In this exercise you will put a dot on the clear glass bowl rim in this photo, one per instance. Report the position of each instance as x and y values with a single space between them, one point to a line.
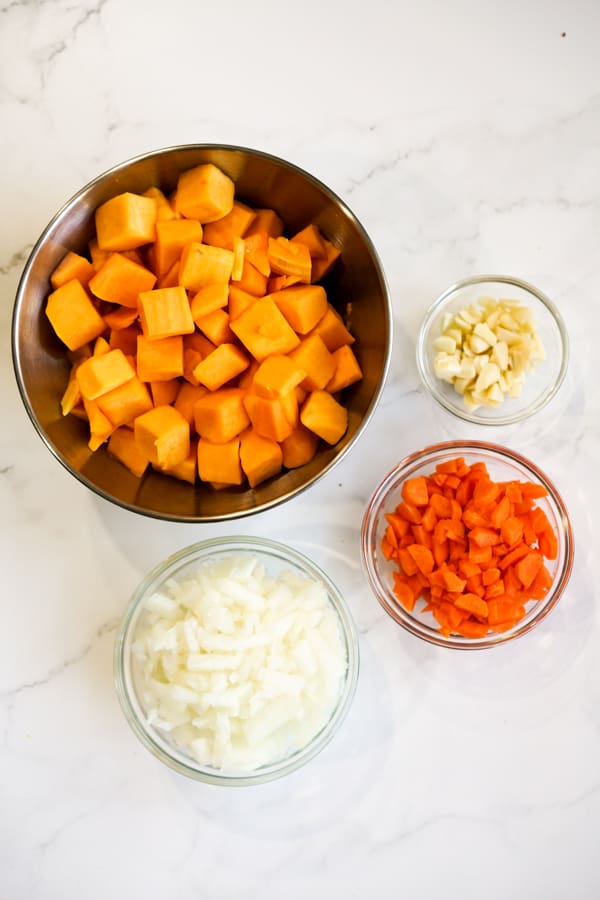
395 477
433 385
203 550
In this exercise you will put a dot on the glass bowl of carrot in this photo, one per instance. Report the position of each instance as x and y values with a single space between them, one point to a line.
492 349
467 544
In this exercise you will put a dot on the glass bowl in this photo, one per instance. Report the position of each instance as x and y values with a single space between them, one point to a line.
277 559
540 385
502 465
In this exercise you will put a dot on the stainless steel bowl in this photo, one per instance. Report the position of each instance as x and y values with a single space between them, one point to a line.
356 287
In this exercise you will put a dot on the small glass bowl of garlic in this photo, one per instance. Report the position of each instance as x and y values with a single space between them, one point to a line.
492 349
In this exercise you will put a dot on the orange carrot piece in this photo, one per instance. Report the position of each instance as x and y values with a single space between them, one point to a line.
484 537
399 524
403 592
414 491
409 512
472 629
407 563
528 567
422 557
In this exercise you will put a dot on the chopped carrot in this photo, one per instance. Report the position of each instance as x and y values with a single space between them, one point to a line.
414 491
471 549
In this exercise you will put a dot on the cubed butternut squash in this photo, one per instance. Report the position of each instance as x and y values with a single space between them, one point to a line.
124 403
120 317
73 316
220 415
216 327
268 221
164 393
201 265
164 210
322 267
256 251
268 416
72 266
312 238
125 339
238 301
332 330
208 299
261 457
313 356
235 224
220 462
277 375
123 447
165 312
163 435
299 448
252 281
288 258
224 363
186 469
204 193
302 305
171 237
347 370
264 330
187 395
159 360
101 427
125 222
120 280
322 414
103 372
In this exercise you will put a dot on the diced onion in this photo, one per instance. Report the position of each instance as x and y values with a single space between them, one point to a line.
238 668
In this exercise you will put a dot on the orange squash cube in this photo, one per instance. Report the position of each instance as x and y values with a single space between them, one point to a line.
73 316
238 301
332 330
204 193
208 299
123 447
264 330
266 220
164 210
277 375
120 280
124 403
164 393
165 312
215 326
120 317
124 339
313 356
101 427
299 448
171 237
235 224
322 414
163 436
288 258
159 360
185 399
313 239
302 305
347 370
72 266
103 372
220 462
187 469
252 281
261 457
201 265
256 251
224 363
268 416
125 222
322 267
220 415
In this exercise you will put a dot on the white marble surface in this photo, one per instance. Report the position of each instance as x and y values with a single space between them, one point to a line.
466 137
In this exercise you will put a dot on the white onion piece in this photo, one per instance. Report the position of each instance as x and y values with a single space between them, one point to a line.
238 668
